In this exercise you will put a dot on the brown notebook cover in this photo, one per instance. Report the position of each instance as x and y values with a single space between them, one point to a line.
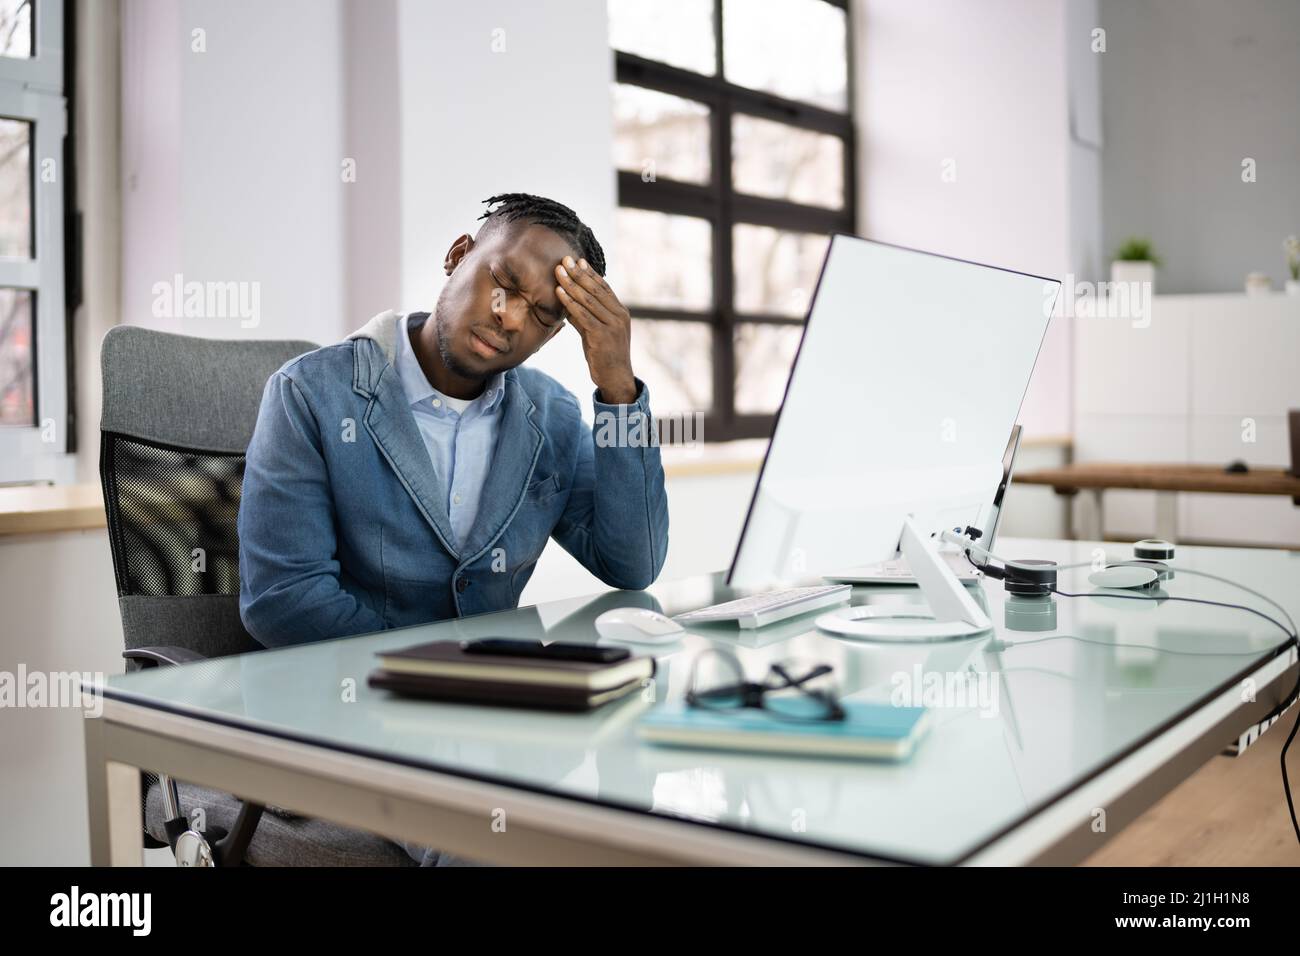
500 694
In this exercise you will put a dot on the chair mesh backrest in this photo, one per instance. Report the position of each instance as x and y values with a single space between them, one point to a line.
178 414
173 517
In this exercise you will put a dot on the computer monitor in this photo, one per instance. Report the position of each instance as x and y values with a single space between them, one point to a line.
991 516
966 564
908 378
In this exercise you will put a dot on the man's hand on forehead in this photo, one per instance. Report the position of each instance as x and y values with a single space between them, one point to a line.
605 326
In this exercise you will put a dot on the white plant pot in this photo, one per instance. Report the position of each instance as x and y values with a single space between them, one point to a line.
1122 271
1293 286
1258 283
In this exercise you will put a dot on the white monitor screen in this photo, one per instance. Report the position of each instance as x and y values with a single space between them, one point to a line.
905 387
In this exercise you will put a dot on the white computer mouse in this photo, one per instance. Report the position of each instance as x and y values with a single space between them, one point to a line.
638 625
1123 576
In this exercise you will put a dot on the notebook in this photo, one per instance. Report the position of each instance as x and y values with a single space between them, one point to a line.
877 731
499 694
448 659
442 670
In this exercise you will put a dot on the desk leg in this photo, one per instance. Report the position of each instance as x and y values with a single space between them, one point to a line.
1070 523
113 799
1167 515
1096 524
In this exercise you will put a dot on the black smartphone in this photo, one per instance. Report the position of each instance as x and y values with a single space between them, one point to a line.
557 652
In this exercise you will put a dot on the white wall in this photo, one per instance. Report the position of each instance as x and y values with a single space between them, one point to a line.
535 117
981 85
987 87
231 161
372 140
60 614
232 158
1191 88
1088 258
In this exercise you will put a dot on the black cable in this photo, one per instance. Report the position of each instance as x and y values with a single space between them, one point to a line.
1286 782
1151 597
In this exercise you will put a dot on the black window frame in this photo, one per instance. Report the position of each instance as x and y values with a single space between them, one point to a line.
723 207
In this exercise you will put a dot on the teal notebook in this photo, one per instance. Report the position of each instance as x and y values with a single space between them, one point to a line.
878 731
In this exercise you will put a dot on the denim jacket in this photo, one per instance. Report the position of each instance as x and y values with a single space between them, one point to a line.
343 522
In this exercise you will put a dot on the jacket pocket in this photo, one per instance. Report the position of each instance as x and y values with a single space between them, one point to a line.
544 488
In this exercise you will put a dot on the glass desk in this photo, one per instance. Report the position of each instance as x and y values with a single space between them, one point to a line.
1070 729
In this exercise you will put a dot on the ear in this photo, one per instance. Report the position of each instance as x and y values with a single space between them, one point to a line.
459 249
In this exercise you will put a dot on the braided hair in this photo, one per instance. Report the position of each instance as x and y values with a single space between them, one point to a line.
555 216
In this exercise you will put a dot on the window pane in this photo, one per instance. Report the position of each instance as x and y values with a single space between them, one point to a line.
15 188
16 28
677 32
776 271
17 398
784 162
793 48
657 135
764 354
671 260
675 360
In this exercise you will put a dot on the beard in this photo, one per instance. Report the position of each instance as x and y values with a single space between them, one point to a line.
442 331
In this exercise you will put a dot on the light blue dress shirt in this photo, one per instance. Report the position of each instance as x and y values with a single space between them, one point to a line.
461 443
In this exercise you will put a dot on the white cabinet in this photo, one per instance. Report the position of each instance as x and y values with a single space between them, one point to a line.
1208 380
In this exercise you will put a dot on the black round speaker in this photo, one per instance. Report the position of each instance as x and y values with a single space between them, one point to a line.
1030 576
1153 549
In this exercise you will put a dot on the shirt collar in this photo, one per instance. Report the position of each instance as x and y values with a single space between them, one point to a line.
416 384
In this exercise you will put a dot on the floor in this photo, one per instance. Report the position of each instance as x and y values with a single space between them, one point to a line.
1232 812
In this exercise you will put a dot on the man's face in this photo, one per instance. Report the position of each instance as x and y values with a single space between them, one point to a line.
499 306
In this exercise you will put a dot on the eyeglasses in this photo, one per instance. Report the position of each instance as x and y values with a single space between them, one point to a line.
780 694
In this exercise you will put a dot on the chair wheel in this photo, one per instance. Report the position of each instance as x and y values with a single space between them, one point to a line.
192 849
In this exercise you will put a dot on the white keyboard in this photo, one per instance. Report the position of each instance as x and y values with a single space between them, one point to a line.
759 610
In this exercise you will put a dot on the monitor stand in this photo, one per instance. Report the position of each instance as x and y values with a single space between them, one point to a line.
951 613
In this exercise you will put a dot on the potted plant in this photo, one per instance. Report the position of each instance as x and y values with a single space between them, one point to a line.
1292 247
1135 261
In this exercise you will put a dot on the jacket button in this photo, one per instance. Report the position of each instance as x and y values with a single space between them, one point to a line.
461 585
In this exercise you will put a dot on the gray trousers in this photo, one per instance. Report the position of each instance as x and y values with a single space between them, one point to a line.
428 856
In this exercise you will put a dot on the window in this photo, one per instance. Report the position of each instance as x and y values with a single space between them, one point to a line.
734 146
34 408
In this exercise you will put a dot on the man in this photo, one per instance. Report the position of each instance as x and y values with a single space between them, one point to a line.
414 472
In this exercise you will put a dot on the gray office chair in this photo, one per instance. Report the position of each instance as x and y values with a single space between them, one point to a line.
178 415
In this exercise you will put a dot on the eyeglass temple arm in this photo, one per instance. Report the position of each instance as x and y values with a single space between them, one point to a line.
817 671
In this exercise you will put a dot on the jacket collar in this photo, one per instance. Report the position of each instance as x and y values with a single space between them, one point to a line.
389 422
379 338
416 384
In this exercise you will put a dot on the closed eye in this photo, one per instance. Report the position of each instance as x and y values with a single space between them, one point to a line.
533 310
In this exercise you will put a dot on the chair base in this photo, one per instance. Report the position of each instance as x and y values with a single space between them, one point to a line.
300 841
